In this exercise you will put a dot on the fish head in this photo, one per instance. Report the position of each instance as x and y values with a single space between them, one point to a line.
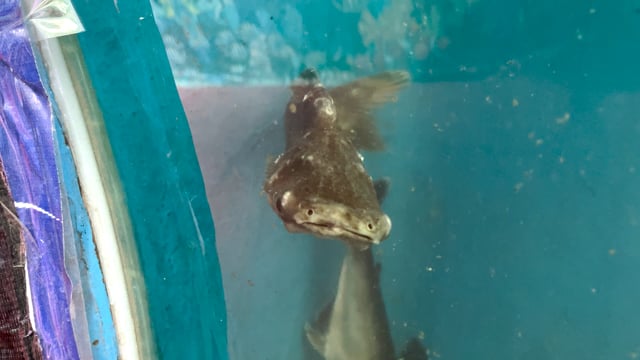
306 81
330 219
311 107
319 107
320 186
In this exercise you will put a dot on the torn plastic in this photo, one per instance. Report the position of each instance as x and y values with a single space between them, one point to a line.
27 151
53 18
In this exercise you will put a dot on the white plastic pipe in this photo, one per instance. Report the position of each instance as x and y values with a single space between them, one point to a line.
94 196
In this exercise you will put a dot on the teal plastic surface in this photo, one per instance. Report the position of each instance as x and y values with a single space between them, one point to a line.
257 42
161 178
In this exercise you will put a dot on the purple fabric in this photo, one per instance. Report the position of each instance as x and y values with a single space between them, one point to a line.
26 148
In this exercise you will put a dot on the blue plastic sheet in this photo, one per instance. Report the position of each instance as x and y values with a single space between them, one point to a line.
77 231
26 148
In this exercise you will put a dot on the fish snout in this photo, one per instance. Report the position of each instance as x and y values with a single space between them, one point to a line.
380 228
344 222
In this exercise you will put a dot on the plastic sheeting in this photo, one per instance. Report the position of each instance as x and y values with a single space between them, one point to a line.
27 150
89 294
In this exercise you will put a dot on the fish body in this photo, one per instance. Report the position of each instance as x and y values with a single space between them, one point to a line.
319 184
355 326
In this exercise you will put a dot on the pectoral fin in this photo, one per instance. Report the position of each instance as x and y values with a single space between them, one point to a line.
316 338
317 333
355 101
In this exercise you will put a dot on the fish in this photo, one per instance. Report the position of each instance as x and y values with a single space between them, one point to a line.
319 184
354 326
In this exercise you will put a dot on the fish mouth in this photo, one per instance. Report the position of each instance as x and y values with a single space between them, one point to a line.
337 230
333 220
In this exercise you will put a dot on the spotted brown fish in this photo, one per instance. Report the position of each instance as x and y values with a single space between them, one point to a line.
319 185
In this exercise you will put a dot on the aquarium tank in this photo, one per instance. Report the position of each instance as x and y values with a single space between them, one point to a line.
339 179
512 161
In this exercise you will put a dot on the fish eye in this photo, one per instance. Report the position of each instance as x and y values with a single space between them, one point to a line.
279 205
310 212
370 226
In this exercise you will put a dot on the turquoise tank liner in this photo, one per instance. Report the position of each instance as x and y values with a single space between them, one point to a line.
162 183
257 42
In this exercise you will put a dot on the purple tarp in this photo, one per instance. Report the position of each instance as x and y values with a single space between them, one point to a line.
26 148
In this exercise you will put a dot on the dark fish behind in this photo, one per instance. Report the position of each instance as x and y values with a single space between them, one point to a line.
354 326
319 184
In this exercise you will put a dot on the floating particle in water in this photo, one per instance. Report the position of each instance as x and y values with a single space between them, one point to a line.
563 119
421 50
443 42
517 187
612 252
515 102
528 174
